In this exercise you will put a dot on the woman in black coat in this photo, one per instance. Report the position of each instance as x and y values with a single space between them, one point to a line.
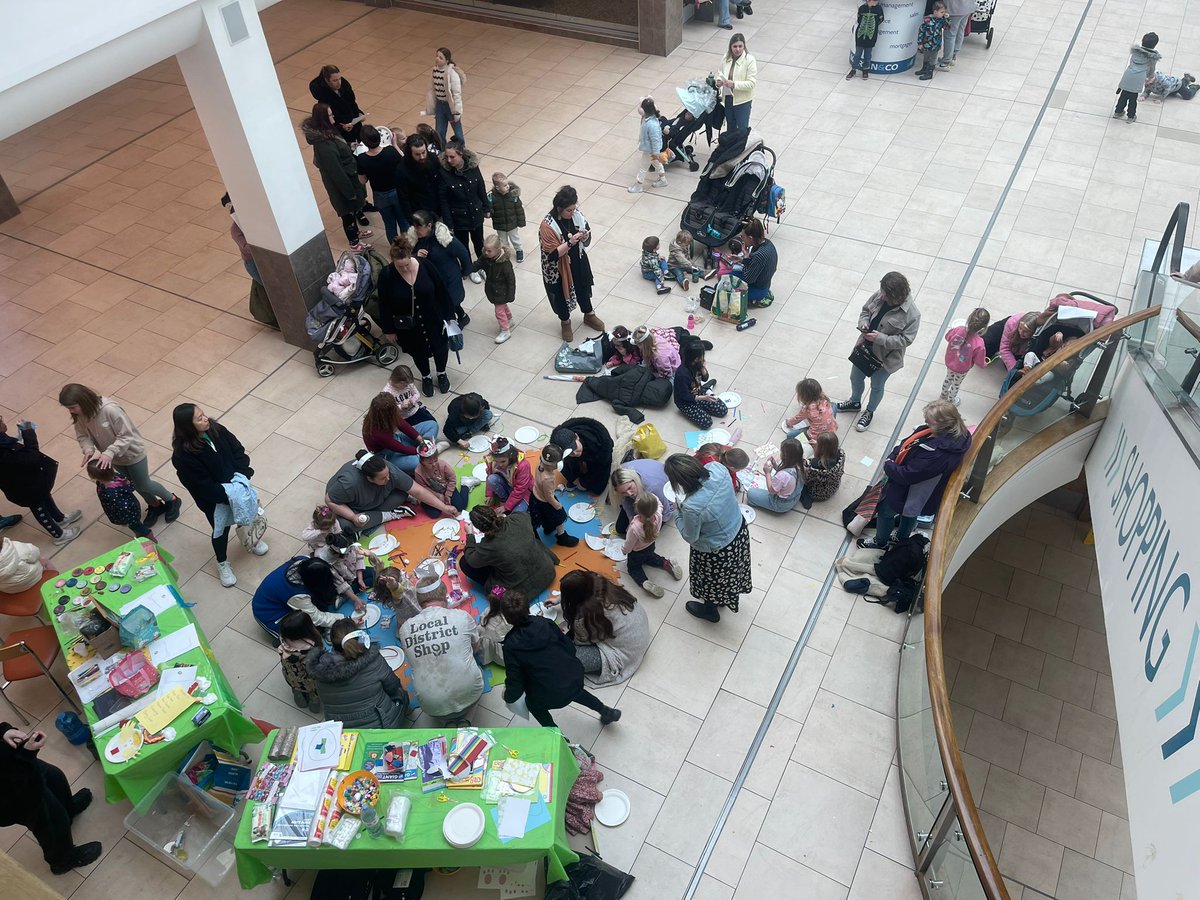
26 479
206 456
587 453
37 795
413 310
463 195
433 241
540 664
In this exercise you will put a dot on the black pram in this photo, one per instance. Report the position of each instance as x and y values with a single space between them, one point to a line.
738 171
699 100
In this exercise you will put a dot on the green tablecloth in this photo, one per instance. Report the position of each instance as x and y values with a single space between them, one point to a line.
423 845
227 727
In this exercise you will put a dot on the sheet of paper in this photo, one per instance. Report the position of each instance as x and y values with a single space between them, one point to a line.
174 645
157 600
522 882
513 812
318 746
165 710
176 677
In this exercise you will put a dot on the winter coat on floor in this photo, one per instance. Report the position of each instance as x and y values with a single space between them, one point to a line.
20 566
26 473
914 486
508 212
500 284
627 389
339 172
462 193
359 693
540 663
111 432
517 557
206 472
1140 69
451 260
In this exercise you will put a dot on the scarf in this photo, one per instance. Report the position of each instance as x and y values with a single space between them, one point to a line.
550 236
911 441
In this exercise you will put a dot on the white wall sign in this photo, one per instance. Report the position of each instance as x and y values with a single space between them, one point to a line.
1145 493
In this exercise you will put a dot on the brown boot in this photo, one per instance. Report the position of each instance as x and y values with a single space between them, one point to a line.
591 320
567 334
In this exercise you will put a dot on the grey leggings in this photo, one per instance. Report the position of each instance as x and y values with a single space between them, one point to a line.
589 655
139 474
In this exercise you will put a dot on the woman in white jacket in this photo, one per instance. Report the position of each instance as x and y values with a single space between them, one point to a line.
736 82
107 434
21 566
444 99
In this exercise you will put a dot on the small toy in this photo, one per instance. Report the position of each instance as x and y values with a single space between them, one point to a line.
357 791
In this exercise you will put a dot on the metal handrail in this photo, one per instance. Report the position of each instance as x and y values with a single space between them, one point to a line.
1173 235
940 553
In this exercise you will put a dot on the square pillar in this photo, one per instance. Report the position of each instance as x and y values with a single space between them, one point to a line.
660 26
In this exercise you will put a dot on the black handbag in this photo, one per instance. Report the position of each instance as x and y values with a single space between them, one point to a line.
865 360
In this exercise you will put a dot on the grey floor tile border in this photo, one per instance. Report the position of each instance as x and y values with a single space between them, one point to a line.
810 624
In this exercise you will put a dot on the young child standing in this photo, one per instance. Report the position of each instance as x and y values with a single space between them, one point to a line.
324 523
118 500
402 385
929 38
298 635
654 267
435 473
509 481
508 214
501 285
1142 60
682 262
545 509
650 142
784 479
815 416
823 473
964 349
866 32
640 536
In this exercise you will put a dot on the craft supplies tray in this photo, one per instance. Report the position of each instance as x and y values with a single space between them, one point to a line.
185 827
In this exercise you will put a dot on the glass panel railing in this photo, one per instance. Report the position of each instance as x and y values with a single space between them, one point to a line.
951 874
923 779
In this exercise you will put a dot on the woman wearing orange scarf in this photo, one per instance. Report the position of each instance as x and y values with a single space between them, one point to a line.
917 470
566 270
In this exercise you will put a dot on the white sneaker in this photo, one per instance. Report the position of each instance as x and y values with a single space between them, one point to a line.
476 278
225 570
260 549
635 189
72 517
470 482
443 446
503 336
662 181
68 534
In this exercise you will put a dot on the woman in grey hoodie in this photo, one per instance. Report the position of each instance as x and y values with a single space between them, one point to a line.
1140 70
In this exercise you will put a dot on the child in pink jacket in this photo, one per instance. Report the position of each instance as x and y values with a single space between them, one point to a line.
964 349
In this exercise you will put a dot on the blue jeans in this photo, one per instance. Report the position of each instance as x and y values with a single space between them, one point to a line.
737 116
427 429
394 220
443 115
252 270
858 381
886 520
407 462
754 294
723 12
501 489
764 499
861 59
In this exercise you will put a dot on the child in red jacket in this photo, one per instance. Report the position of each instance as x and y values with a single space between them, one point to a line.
510 480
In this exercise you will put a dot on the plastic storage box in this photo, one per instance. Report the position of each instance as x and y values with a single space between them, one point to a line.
186 828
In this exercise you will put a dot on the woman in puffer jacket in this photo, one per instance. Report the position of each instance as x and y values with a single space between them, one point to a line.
448 255
463 195
355 684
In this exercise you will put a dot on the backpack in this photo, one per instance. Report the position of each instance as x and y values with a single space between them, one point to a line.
772 201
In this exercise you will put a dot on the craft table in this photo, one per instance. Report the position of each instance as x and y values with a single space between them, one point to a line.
423 845
227 727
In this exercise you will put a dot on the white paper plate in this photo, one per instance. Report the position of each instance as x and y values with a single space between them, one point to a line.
608 529
463 825
373 613
732 399
480 472
669 492
718 436
614 550
480 443
446 529
595 541
526 434
748 513
613 808
383 544
120 750
393 656
582 512
430 564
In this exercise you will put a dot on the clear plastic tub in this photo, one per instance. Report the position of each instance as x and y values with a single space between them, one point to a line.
177 810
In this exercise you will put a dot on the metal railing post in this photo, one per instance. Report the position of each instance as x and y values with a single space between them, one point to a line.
973 489
1086 404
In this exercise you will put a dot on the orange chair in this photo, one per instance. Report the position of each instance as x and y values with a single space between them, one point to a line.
29 601
27 654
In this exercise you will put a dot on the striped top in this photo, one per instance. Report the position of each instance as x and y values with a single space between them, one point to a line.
439 83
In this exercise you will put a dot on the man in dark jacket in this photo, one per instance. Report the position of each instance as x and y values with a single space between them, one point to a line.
417 178
330 87
587 453
37 795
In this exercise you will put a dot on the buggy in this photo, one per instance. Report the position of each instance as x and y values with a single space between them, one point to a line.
731 185
981 20
342 329
699 100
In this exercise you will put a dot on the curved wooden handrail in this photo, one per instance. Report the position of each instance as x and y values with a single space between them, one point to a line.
1188 323
939 555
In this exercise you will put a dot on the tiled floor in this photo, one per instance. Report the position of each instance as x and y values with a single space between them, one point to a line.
1032 695
120 273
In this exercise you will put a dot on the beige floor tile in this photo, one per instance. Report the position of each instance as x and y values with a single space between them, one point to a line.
685 671
996 741
242 660
1033 711
1031 860
1085 731
1013 798
620 845
878 876
1018 662
889 830
848 742
1082 877
980 690
1038 593
688 814
1112 845
1068 681
1051 764
658 874
1002 617
1102 785
651 743
1054 636
129 870
760 662
725 738
1068 822
1091 650
769 873
863 669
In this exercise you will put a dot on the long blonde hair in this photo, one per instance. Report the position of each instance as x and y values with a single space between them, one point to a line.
647 506
944 418
493 241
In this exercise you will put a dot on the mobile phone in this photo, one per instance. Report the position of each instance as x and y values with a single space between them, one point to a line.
201 717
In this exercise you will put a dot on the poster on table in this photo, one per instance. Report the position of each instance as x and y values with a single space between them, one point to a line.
1145 490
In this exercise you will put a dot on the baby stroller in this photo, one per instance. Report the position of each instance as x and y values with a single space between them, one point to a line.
1058 383
699 100
341 327
981 20
730 187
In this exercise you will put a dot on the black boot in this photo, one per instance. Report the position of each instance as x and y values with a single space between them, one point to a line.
706 611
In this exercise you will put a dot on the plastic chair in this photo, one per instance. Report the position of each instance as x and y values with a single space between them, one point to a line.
29 601
27 654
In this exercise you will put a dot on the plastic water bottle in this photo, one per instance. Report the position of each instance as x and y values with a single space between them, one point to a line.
749 323
691 322
371 821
